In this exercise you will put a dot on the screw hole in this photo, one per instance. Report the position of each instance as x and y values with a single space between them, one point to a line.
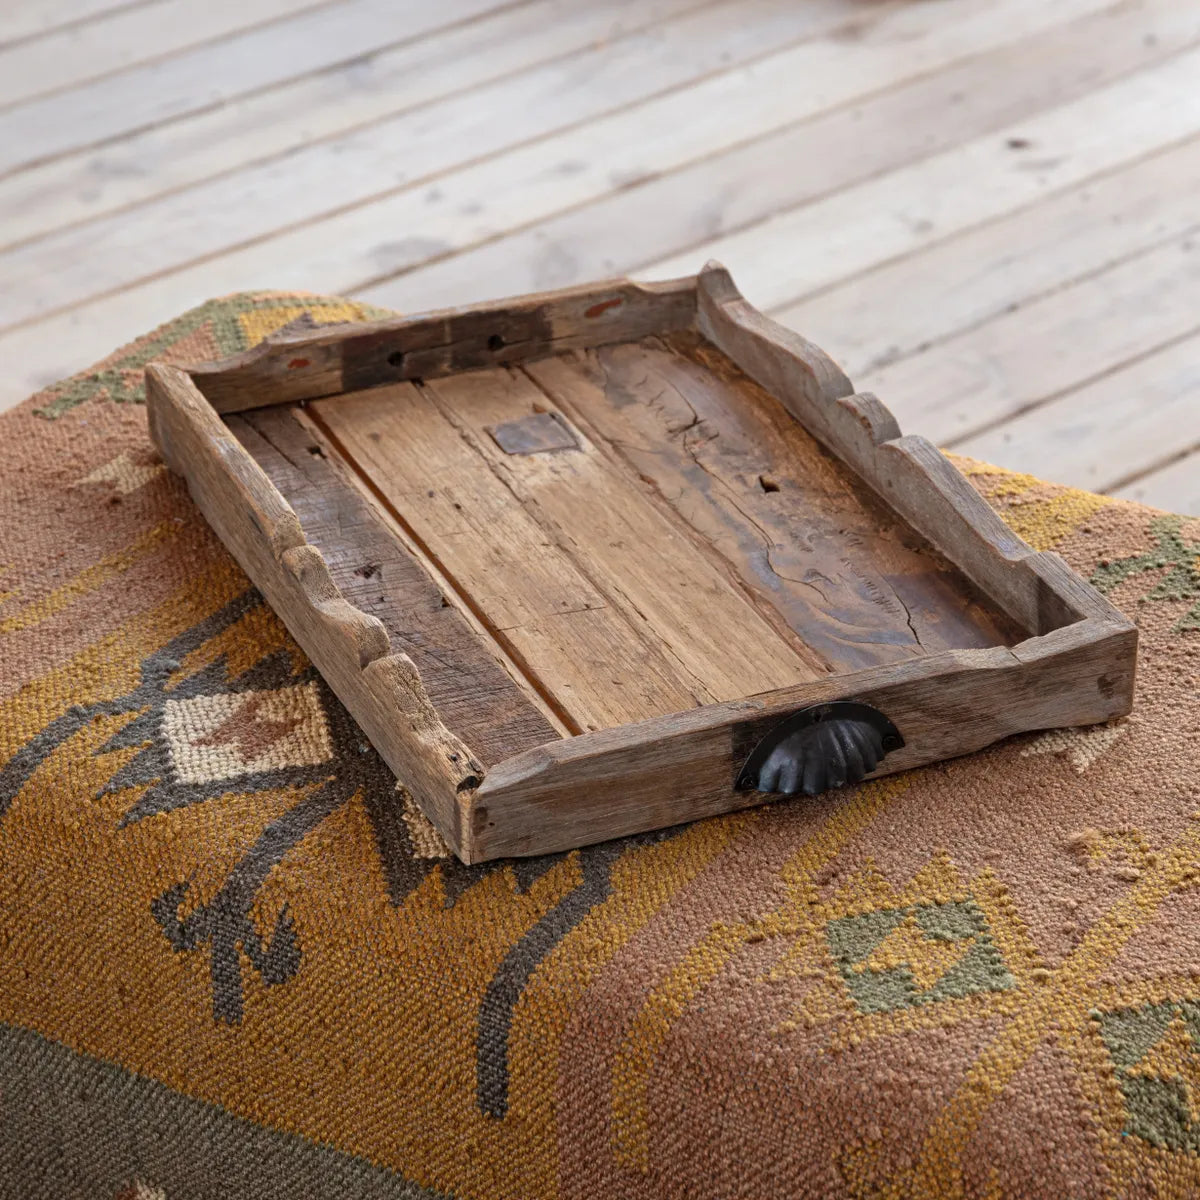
495 343
396 358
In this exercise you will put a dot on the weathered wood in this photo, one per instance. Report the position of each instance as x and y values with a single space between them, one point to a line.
502 57
475 697
1110 430
350 358
904 305
71 57
907 108
596 665
799 528
681 768
641 559
380 686
812 246
1021 358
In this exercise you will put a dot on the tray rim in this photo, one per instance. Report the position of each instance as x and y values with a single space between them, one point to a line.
1069 622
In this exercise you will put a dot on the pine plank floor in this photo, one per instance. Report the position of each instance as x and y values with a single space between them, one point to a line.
985 209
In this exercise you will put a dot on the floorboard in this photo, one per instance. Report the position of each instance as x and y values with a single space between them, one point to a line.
682 212
981 207
271 124
210 74
20 19
1116 428
1175 487
115 41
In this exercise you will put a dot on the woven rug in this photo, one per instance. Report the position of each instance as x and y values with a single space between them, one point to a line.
231 965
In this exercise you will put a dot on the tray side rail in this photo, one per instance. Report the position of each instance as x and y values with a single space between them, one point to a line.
680 768
381 687
911 475
349 358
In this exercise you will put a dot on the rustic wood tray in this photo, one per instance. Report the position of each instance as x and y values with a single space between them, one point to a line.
608 559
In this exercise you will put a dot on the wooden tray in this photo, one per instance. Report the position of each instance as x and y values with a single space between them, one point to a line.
607 559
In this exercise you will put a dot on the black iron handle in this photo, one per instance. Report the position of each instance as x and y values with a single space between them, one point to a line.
825 746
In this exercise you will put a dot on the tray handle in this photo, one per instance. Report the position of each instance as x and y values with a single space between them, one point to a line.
821 747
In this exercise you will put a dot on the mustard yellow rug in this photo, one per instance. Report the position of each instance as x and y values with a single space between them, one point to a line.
232 966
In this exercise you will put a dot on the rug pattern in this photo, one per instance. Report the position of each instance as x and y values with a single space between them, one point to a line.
237 962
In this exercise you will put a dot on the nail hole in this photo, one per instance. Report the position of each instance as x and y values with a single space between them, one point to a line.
495 342
767 483
396 358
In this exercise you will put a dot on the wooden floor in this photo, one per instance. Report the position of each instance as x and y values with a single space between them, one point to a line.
985 209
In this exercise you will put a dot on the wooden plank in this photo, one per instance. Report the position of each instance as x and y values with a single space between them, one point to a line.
404 154
1109 431
640 556
474 695
20 19
799 529
1053 344
596 667
682 768
883 130
1175 487
379 685
907 305
801 251
206 76
348 358
389 80
121 39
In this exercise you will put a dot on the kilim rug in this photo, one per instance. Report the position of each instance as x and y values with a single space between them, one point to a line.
232 966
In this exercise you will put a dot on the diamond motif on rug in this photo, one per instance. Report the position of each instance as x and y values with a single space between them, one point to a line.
1156 1051
905 957
226 735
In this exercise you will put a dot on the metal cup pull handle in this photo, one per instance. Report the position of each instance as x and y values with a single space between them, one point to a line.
825 746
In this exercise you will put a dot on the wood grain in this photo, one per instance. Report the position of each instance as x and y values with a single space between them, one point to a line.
797 252
475 696
379 685
494 64
799 529
205 75
974 381
910 304
907 109
638 554
595 665
909 474
403 159
1111 430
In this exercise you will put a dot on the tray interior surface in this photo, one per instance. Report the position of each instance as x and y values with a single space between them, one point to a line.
607 535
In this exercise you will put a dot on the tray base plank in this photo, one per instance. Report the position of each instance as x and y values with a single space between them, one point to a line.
595 666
